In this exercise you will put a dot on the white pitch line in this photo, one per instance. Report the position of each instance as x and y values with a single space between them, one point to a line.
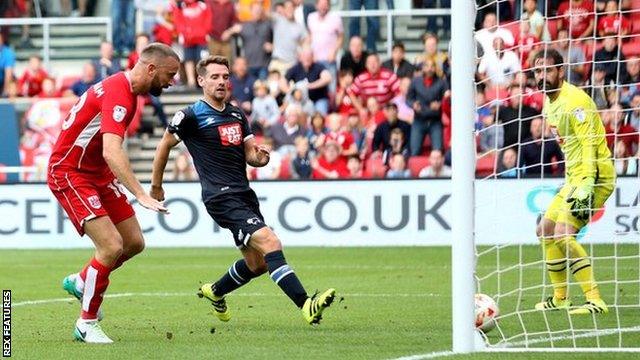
170 294
519 345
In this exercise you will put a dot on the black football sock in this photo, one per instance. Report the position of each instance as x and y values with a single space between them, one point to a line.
284 277
237 275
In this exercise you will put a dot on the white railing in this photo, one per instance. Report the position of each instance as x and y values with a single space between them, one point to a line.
46 24
389 15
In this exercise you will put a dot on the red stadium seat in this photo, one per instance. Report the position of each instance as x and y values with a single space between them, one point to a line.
374 168
631 49
3 175
552 25
514 29
486 164
417 163
285 168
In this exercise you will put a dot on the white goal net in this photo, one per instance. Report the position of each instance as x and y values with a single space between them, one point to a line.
520 168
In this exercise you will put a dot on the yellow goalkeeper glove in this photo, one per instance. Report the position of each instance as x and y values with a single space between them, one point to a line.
581 199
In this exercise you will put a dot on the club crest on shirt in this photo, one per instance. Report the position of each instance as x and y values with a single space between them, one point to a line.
94 201
119 112
579 114
236 115
177 118
230 134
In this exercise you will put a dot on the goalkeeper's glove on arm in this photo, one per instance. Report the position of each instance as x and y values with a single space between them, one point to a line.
581 199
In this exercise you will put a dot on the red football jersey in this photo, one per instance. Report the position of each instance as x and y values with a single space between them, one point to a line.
613 24
107 107
576 17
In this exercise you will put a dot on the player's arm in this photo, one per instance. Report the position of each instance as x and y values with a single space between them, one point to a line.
255 155
583 120
119 164
180 127
160 159
116 107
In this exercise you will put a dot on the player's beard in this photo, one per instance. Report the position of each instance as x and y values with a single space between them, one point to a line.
220 96
547 85
156 87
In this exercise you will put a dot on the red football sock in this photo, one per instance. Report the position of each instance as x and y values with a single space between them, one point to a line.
95 284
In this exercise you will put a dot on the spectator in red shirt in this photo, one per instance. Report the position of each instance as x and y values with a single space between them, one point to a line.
376 82
526 43
142 40
165 31
613 23
340 136
222 22
48 89
30 83
329 165
619 130
578 17
344 97
193 21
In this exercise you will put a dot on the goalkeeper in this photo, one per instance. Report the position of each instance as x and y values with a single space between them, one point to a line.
590 178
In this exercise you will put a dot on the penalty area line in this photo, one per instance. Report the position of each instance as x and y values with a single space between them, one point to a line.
173 294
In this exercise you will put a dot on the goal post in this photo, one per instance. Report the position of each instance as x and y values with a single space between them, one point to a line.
463 175
495 249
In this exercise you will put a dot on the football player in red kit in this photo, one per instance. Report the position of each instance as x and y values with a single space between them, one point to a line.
86 168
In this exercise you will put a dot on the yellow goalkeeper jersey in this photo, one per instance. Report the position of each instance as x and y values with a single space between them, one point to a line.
574 120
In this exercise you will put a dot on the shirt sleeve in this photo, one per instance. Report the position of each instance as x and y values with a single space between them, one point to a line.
181 124
117 110
584 119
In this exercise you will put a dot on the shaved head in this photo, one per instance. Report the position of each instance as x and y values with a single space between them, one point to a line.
157 52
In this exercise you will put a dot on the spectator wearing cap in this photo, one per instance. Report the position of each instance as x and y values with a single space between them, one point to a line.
257 41
354 59
30 83
223 20
312 75
376 82
398 64
242 84
382 133
329 165
425 97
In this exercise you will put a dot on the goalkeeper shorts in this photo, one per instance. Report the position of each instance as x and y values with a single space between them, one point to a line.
559 211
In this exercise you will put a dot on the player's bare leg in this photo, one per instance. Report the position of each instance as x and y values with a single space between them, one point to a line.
268 244
109 248
556 263
240 273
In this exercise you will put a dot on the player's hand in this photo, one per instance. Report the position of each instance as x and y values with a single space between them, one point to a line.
262 153
581 199
157 192
152 204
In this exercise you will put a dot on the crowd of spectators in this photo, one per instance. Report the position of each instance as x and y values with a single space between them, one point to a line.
600 42
331 107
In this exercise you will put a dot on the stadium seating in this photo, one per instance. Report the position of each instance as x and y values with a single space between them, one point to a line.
417 163
486 165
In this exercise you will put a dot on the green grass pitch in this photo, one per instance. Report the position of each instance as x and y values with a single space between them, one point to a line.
392 302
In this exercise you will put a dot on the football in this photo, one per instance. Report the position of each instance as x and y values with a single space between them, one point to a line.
486 313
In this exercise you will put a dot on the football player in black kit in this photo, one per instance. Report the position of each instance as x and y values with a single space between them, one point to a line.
219 138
